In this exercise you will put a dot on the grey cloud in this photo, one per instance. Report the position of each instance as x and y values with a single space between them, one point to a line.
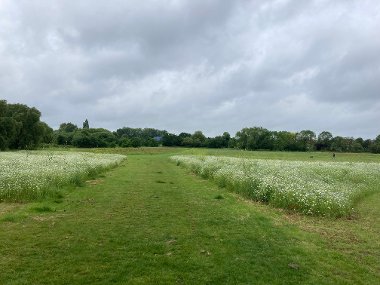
188 65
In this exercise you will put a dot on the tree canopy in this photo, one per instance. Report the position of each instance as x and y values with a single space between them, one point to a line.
21 128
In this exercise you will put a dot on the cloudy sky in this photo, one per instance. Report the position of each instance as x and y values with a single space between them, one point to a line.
186 65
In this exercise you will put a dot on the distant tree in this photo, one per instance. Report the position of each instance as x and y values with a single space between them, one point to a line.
67 127
22 126
82 138
375 146
86 124
199 139
345 144
232 143
254 138
103 137
284 141
367 144
226 139
150 142
324 141
136 142
171 140
9 129
48 132
181 137
188 141
184 135
125 142
64 135
217 142
306 140
356 147
145 137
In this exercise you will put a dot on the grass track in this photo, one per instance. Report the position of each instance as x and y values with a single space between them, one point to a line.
150 222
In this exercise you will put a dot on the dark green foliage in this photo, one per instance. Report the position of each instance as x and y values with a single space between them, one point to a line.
324 141
188 141
136 142
306 140
341 144
136 137
254 138
141 133
199 139
217 142
64 135
86 124
258 138
375 146
284 141
20 127
82 138
171 140
48 133
68 127
125 142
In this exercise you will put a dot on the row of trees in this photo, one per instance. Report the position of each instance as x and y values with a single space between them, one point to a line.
70 134
198 139
260 138
21 128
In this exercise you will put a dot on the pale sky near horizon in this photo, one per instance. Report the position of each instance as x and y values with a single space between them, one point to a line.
186 65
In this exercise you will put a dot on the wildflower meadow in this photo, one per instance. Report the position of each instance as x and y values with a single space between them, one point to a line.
312 188
29 175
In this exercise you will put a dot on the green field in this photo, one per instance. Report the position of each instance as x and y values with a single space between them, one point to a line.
150 221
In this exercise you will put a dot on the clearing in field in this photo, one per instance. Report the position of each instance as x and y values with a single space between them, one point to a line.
313 188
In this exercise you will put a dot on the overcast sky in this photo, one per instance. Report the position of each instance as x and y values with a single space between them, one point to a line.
186 65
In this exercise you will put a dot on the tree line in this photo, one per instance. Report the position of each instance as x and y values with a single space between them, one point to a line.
21 128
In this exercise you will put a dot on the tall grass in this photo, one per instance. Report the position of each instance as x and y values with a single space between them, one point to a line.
312 188
26 176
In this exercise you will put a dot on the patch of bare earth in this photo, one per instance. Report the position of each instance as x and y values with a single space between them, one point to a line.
6 208
94 182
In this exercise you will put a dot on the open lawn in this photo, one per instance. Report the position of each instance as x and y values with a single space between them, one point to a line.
149 221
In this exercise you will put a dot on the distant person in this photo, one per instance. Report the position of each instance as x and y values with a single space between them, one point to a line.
334 155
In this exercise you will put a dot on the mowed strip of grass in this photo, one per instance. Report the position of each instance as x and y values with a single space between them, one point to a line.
151 222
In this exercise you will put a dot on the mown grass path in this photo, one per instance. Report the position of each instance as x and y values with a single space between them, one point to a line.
151 222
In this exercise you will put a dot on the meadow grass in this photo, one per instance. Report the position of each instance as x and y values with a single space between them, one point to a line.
311 187
31 175
124 227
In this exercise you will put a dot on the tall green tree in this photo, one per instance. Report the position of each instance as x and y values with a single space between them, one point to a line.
324 141
20 126
255 138
306 140
199 139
